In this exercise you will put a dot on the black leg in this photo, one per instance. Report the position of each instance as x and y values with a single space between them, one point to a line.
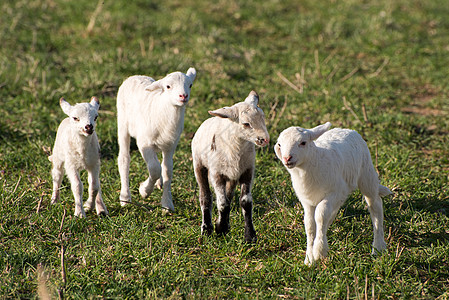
246 203
201 173
223 204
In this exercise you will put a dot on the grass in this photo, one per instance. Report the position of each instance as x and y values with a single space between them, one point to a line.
379 67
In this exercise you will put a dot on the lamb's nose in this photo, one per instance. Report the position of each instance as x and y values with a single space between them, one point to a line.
287 158
89 127
262 141
183 96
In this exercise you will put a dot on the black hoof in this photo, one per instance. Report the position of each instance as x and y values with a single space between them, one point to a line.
221 229
250 237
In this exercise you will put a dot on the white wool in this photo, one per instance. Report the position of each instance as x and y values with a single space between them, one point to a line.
224 146
325 167
77 148
152 112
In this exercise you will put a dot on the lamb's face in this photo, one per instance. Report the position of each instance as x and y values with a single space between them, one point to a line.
252 120
175 87
292 146
83 116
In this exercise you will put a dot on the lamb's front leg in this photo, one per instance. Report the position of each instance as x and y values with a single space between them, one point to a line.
325 213
310 227
95 193
166 178
94 186
154 170
246 203
77 190
123 159
223 204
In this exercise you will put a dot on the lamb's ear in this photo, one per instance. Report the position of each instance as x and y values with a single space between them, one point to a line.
252 98
66 107
226 112
157 85
95 102
277 151
191 73
319 130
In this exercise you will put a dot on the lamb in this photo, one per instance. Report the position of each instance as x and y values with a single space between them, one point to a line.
223 151
76 147
152 112
325 167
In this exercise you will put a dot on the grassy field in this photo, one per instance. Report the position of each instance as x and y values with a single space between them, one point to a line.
379 67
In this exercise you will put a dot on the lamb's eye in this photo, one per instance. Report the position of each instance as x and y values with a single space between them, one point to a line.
279 145
95 118
190 86
76 119
246 125
168 87
303 143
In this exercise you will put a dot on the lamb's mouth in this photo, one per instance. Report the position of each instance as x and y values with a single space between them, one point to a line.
290 164
88 131
261 142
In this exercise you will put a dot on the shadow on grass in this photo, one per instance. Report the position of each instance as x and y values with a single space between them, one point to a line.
430 205
9 134
110 149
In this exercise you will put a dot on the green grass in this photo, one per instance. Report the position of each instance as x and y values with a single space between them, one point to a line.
387 58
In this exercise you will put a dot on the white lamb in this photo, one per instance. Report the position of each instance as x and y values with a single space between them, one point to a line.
325 167
76 147
223 151
152 112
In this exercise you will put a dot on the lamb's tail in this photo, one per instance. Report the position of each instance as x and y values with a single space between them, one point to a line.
384 191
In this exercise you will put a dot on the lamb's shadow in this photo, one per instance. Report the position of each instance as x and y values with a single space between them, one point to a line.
110 148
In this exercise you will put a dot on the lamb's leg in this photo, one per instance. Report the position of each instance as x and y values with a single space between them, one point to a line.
77 190
100 207
95 193
201 174
154 170
57 173
310 227
230 188
369 186
377 218
246 203
94 186
325 213
166 178
223 204
124 159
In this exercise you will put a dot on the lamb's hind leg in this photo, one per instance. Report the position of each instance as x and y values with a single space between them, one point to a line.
57 173
377 218
246 203
223 204
369 186
201 174
154 170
